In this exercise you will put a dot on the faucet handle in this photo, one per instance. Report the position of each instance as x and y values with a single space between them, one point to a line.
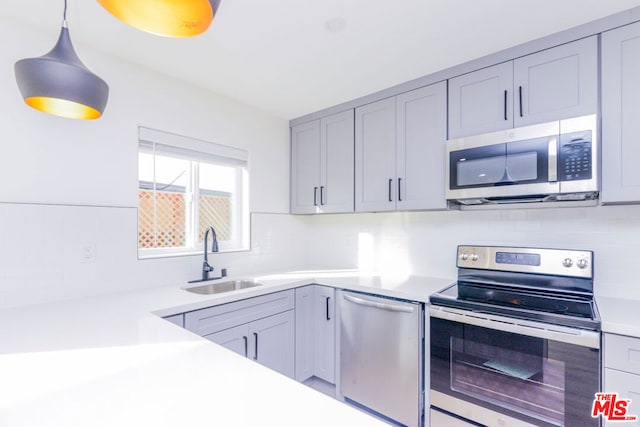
207 267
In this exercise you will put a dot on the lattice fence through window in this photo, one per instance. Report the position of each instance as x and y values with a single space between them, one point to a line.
168 229
215 210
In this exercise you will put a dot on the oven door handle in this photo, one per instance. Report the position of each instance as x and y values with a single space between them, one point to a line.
583 338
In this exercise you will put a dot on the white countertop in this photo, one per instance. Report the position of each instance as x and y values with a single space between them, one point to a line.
619 316
110 361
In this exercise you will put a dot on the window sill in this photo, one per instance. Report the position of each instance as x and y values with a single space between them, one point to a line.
144 256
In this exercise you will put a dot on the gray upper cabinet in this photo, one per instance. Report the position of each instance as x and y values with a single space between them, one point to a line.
553 84
620 112
400 151
376 156
336 163
481 101
556 83
421 135
322 165
305 167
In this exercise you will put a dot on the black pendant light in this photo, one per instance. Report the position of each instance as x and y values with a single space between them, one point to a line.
171 18
59 83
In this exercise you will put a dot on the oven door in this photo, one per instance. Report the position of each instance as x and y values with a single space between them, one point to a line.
518 162
495 370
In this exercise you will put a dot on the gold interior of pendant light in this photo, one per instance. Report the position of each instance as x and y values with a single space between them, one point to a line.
63 108
172 18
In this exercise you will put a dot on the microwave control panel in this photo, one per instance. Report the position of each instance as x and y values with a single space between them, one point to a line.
574 158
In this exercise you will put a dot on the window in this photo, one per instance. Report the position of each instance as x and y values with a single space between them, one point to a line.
186 185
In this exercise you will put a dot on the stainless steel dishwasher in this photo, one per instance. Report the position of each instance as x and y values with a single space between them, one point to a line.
381 355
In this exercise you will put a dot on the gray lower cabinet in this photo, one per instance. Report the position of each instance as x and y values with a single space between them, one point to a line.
552 84
235 339
620 112
622 371
177 319
400 151
315 333
322 165
260 328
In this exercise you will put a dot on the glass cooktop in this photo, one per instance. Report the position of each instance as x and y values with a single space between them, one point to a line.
571 311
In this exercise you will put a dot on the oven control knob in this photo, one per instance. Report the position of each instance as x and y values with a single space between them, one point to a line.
582 263
474 257
567 262
464 257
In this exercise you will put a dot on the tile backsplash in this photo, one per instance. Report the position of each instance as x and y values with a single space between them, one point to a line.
42 253
42 247
424 243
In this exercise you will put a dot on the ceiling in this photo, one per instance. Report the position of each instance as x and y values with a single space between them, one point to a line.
293 57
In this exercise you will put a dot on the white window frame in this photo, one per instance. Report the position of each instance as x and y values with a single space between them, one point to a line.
197 151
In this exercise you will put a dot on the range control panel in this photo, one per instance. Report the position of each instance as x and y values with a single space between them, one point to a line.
558 262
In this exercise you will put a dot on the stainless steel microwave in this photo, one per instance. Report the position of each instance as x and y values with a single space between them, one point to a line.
556 161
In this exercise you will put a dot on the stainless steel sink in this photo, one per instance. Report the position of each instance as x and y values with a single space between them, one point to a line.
219 287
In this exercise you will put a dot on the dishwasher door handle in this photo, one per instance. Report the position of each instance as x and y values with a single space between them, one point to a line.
380 305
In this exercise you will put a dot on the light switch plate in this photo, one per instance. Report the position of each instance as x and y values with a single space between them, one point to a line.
88 253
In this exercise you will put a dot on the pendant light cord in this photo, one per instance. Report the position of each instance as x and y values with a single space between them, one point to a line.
64 15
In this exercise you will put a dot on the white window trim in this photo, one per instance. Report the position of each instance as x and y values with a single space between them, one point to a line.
158 142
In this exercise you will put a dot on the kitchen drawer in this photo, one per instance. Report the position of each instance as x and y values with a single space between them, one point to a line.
213 319
440 419
628 387
622 353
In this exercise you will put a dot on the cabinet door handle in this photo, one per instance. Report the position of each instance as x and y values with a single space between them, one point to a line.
505 105
255 337
327 307
315 196
390 183
322 195
246 345
399 189
520 98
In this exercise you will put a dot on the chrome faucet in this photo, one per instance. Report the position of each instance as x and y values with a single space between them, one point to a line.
206 267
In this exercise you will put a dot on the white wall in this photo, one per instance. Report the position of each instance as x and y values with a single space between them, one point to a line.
424 243
67 183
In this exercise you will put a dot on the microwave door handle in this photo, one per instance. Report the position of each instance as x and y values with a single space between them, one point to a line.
553 159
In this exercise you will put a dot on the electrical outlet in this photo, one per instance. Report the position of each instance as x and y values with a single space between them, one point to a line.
88 252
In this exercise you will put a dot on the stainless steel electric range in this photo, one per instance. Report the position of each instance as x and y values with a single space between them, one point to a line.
516 340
